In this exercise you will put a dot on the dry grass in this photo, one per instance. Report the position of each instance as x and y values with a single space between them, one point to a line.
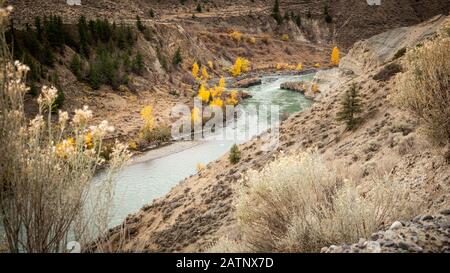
424 89
298 204
47 197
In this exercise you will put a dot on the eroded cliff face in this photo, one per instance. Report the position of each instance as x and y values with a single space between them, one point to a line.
380 49
200 210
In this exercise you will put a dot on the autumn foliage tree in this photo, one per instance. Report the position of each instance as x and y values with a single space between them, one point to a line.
241 65
195 70
335 56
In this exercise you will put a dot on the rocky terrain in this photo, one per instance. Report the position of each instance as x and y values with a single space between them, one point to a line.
424 234
198 211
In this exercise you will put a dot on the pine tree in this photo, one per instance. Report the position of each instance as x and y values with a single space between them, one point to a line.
83 33
138 64
139 24
177 58
287 17
276 12
328 17
38 26
76 67
235 154
298 20
351 106
151 13
199 7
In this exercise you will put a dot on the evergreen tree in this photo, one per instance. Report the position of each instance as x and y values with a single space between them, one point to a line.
328 17
138 64
59 101
151 13
177 58
199 8
350 107
77 67
38 26
139 24
287 17
276 12
83 33
94 75
298 20
235 154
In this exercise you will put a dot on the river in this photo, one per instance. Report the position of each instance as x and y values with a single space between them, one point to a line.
146 179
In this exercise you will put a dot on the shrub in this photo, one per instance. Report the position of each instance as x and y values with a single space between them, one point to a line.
48 198
298 204
236 36
388 72
400 53
251 40
285 37
350 107
424 87
235 154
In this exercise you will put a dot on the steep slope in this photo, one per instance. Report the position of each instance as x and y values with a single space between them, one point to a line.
200 209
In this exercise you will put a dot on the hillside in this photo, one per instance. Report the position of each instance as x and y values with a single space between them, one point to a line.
200 210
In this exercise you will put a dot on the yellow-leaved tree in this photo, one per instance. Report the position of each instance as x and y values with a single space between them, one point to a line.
195 70
335 56
205 75
240 65
233 99
147 116
203 94
299 67
216 102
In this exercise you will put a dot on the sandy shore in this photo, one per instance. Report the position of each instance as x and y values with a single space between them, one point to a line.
163 151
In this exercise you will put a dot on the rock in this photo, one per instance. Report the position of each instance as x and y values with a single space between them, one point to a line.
427 218
247 82
373 247
445 212
294 86
396 225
